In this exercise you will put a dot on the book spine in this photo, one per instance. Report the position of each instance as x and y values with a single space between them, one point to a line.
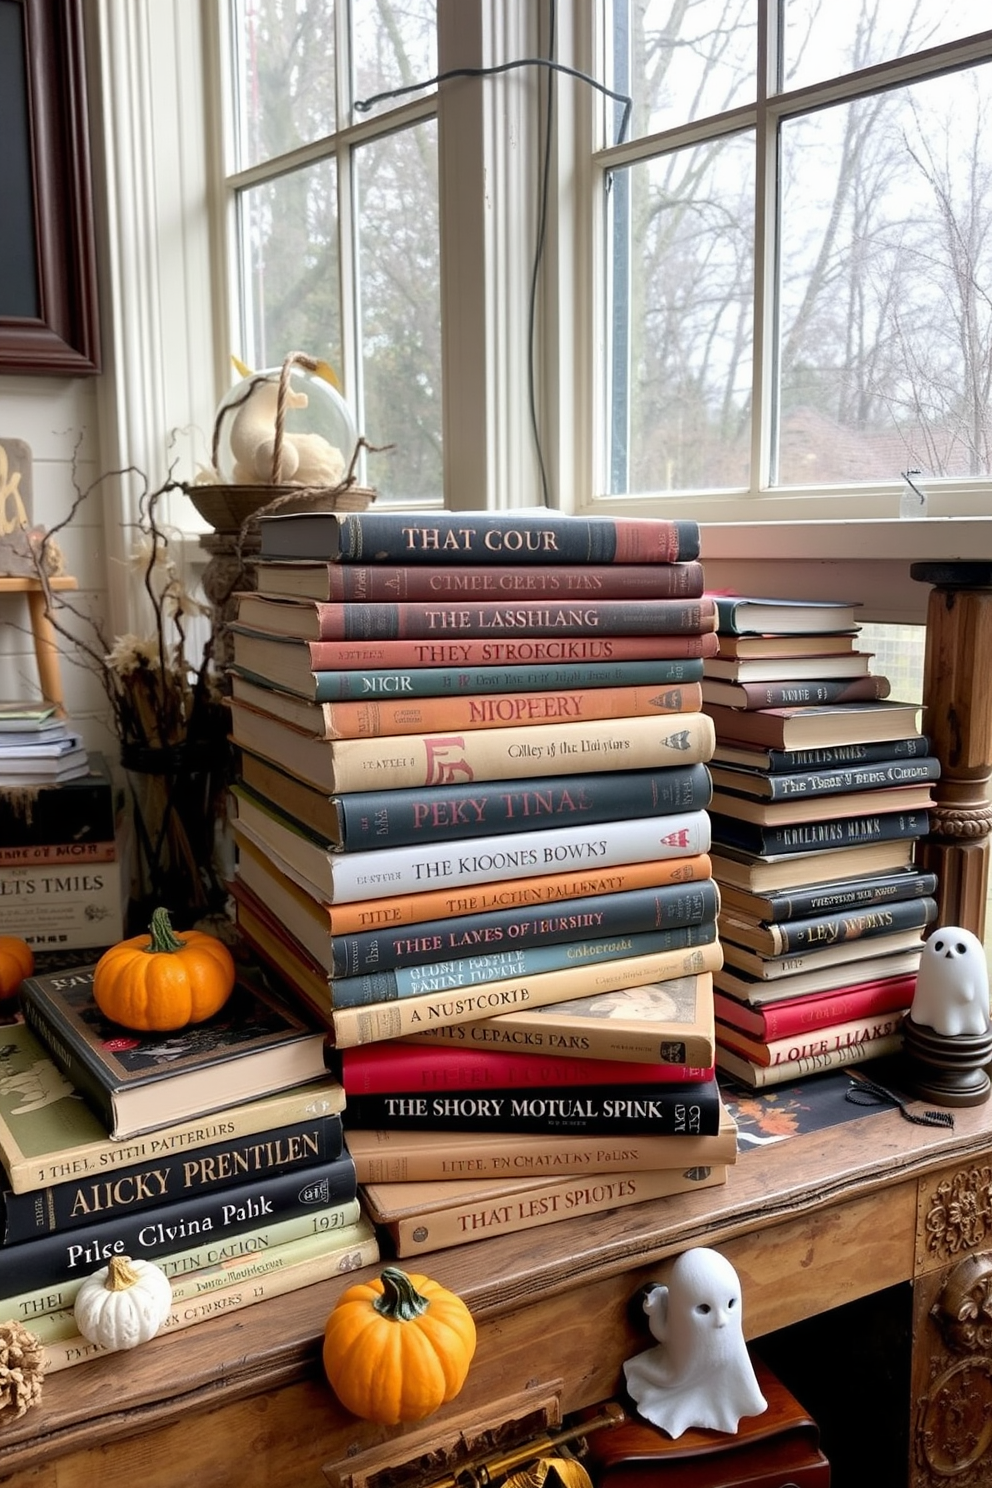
814 934
158 1231
752 695
801 1015
327 1224
788 761
759 1075
387 1020
830 1040
599 1110
342 685
766 841
171 1177
465 1222
865 777
481 970
343 877
78 1070
75 906
635 912
375 819
78 811
772 968
74 1349
375 718
58 854
384 1068
526 651
851 894
482 537
375 583
411 621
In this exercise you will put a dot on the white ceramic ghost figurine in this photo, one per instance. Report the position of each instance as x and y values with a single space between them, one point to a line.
700 1374
952 988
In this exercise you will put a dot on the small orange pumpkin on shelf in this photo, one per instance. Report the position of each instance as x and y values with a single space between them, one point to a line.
16 963
395 1349
162 981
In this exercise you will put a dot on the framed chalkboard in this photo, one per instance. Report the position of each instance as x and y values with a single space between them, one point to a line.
48 297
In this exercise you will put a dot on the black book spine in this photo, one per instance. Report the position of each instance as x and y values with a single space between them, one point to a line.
170 1227
863 777
786 761
686 1110
815 934
169 1177
852 894
633 911
765 841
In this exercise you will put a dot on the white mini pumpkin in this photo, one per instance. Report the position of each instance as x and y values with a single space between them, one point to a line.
123 1304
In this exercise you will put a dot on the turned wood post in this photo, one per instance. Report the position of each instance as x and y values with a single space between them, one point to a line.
957 697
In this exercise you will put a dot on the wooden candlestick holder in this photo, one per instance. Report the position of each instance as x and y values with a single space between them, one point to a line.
949 1069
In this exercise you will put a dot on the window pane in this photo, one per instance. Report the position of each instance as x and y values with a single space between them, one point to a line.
400 314
886 261
826 38
291 297
684 59
285 76
681 348
395 45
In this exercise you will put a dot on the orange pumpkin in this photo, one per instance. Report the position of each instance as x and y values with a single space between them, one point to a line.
16 963
161 981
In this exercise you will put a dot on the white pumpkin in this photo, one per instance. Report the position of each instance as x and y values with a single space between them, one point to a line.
123 1304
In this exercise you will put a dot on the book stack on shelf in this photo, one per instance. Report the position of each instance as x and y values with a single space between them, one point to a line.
821 785
62 881
472 808
248 1192
37 746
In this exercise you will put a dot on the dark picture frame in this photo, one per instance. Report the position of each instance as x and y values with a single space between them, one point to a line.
49 320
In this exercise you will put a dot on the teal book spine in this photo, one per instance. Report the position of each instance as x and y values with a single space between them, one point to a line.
338 686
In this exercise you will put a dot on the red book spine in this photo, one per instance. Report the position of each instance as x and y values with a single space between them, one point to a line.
371 583
429 620
383 1068
799 1014
811 694
330 655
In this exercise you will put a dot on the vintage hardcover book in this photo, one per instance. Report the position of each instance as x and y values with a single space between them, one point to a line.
769 646
849 953
794 693
362 1251
792 937
438 682
418 1220
815 728
58 854
757 991
633 912
361 820
845 663
166 1227
356 583
373 717
756 615
758 1076
217 1166
866 801
800 1015
669 1021
312 620
427 1157
530 536
811 1043
768 841
137 1082
388 1020
63 906
340 877
795 761
848 894
307 913
82 810
801 869
767 785
680 1109
399 1064
484 968
203 1256
533 750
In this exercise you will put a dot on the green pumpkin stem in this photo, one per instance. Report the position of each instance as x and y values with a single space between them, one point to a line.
400 1300
163 937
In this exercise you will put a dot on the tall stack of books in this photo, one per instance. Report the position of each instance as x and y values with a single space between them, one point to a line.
61 878
248 1192
821 788
472 816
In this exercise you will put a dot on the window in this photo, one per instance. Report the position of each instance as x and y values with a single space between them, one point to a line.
800 274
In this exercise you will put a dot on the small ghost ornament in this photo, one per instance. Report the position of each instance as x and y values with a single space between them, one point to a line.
700 1374
952 987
